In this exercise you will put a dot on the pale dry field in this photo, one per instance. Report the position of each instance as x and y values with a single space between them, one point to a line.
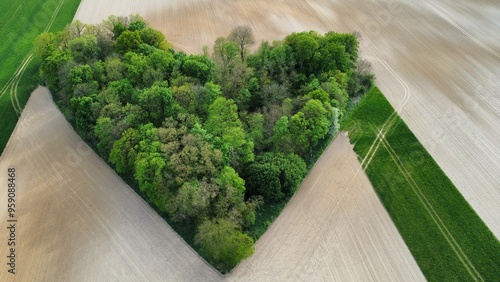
334 229
443 55
77 220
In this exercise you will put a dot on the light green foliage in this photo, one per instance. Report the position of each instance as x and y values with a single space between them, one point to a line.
223 242
282 138
229 177
136 65
319 95
80 74
157 103
149 172
124 151
254 124
49 68
45 44
222 114
115 69
317 118
103 130
223 121
128 41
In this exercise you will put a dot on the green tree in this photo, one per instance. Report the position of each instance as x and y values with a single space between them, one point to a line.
103 130
49 69
115 69
80 74
128 41
85 112
223 121
197 69
195 159
155 38
282 139
136 65
124 152
223 242
275 175
149 172
157 103
84 49
45 44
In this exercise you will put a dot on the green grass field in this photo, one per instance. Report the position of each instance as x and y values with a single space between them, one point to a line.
446 237
20 23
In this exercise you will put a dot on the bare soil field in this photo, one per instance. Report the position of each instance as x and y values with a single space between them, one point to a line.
444 56
76 219
333 229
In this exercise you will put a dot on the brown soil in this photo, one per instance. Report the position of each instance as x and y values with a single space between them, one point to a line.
76 219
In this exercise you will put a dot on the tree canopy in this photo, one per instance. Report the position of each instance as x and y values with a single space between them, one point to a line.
206 139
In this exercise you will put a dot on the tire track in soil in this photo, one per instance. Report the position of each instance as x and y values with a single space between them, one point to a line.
431 211
13 82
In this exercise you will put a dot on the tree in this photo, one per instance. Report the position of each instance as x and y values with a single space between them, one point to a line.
136 65
137 25
223 121
225 52
45 44
149 172
282 139
84 49
275 175
157 102
195 159
185 97
304 46
85 112
104 131
124 152
198 68
155 38
128 41
115 69
223 242
243 37
222 114
49 69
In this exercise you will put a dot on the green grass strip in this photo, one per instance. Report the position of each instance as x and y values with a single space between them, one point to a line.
20 23
445 235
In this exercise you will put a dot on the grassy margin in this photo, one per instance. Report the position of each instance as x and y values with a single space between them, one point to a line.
19 26
445 235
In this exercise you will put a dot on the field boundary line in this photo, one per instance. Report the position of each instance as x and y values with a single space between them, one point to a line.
432 212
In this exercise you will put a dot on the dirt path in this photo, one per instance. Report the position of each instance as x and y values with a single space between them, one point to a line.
334 229
77 220
438 60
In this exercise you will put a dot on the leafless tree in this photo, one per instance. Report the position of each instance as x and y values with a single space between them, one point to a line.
243 37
